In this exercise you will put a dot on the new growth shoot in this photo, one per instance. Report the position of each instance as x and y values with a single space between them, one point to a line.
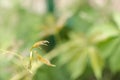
39 57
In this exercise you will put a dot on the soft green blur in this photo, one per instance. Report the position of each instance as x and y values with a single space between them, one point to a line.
84 38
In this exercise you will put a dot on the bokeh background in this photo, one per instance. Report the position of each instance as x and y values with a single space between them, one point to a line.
84 38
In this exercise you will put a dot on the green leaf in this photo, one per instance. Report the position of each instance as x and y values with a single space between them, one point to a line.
116 18
106 48
66 56
49 73
101 32
114 60
96 62
77 64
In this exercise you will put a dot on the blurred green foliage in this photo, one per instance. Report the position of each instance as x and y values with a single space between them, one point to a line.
85 46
